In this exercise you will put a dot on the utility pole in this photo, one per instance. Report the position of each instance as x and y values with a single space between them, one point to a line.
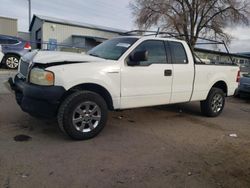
29 1
29 12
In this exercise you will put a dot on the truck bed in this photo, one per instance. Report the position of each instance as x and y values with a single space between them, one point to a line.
207 75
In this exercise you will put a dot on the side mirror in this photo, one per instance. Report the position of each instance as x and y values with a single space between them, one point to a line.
136 57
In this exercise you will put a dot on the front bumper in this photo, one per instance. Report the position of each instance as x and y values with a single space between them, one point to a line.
37 100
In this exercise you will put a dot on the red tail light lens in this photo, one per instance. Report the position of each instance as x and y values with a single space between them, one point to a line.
238 77
27 46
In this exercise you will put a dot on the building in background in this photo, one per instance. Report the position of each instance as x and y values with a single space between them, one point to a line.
8 26
24 35
245 54
217 57
53 33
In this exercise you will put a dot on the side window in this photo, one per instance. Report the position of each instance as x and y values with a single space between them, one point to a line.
8 41
179 55
3 41
156 52
12 41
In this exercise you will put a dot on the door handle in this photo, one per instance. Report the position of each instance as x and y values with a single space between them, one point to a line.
168 72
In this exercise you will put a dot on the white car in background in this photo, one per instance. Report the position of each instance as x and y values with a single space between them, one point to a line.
1 54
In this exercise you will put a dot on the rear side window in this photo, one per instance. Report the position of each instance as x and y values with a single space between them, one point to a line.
156 52
8 41
3 41
12 41
179 55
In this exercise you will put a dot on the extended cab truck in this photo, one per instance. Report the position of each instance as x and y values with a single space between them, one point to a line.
121 73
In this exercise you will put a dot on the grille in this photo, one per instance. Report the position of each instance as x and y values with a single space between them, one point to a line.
24 68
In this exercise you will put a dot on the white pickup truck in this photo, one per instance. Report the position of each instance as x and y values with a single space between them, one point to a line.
121 73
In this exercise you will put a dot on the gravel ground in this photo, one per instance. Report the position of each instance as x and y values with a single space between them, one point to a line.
167 146
4 75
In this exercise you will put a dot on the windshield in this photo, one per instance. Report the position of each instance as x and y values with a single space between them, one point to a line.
112 49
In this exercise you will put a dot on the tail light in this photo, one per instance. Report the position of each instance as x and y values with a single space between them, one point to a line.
27 46
238 77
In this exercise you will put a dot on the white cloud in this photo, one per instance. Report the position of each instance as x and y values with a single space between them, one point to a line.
241 39
239 32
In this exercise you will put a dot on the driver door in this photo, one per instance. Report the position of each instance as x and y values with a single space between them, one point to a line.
149 82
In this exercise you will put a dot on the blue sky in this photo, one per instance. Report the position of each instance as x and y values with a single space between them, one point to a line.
110 13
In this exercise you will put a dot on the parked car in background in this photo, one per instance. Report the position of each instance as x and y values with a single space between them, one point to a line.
13 48
244 85
1 53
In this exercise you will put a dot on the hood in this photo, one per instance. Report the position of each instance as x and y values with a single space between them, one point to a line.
47 57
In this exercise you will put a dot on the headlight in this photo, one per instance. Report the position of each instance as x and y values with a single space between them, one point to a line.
41 77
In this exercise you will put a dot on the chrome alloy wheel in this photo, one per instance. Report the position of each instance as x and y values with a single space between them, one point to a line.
217 103
12 62
86 116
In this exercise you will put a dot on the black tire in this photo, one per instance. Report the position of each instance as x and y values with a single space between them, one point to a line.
11 61
210 107
68 110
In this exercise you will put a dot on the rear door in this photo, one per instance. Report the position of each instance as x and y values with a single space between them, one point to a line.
149 83
183 71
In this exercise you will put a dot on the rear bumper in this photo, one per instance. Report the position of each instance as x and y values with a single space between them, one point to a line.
244 89
37 100
244 93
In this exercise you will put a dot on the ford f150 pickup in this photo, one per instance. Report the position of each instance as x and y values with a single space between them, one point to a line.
121 73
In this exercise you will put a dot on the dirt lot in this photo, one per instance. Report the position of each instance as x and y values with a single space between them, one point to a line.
169 146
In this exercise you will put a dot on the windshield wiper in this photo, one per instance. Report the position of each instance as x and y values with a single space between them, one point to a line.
95 55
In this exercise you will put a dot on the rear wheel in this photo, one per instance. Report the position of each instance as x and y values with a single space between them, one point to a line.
214 104
83 115
11 61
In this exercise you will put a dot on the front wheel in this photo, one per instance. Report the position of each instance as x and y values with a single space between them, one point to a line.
83 115
214 104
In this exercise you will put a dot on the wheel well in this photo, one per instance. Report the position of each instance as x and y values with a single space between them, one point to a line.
221 85
10 54
94 88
